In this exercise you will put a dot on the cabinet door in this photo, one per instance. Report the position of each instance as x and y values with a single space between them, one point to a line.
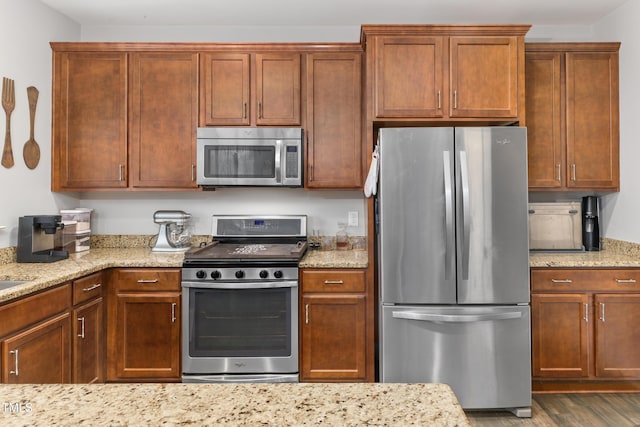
88 343
409 77
278 89
146 340
164 117
89 121
592 120
484 77
544 134
334 112
560 334
225 88
333 337
40 354
617 335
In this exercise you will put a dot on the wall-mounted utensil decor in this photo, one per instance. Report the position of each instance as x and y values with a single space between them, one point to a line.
31 149
8 103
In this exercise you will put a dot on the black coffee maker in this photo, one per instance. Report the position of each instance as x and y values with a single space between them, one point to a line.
590 228
36 238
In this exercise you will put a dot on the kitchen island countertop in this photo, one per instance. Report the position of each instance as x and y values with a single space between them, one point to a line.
350 404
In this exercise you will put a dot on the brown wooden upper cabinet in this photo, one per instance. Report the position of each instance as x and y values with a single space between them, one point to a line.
572 105
122 118
334 120
250 89
446 72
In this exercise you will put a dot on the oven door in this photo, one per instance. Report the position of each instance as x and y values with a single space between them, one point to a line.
240 328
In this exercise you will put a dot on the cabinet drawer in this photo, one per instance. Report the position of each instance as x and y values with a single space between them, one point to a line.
333 281
32 309
147 279
87 288
610 280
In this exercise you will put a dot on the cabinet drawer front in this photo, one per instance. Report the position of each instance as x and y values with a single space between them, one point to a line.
623 280
27 311
333 281
87 288
148 279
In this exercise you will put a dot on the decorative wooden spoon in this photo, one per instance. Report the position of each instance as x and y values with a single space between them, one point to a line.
31 149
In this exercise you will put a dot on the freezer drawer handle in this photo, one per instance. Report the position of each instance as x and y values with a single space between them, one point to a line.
455 318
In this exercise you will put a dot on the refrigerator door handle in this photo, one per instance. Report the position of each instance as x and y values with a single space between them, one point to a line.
455 318
448 214
466 214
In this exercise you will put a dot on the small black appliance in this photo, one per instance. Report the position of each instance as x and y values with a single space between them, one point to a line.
590 227
36 238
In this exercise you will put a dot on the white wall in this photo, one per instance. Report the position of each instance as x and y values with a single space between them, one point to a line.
26 28
621 210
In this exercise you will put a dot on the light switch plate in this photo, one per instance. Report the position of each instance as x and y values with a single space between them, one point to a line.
353 219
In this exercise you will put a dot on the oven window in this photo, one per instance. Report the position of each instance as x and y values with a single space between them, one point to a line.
240 161
240 322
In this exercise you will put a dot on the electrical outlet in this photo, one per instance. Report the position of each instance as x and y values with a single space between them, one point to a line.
353 219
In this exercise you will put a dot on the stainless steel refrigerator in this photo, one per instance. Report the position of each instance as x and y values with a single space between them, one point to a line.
453 262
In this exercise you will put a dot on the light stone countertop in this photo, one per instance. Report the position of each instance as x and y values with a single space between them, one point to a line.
41 276
614 254
344 404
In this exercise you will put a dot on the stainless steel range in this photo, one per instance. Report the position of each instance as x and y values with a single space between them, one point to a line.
240 301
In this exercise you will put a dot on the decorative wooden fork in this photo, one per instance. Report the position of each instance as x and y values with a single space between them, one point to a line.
8 103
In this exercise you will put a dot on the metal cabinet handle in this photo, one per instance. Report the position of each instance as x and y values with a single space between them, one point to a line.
586 313
559 170
573 172
259 109
334 282
439 100
244 110
561 281
306 314
173 312
625 280
15 357
90 288
193 173
602 311
142 281
455 99
81 320
120 172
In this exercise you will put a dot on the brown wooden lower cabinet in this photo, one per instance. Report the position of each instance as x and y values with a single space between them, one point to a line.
333 326
584 329
88 343
143 334
39 354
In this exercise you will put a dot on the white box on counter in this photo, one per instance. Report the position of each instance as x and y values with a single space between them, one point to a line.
81 215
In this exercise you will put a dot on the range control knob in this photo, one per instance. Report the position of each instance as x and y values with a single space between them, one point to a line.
264 274
239 274
215 274
277 274
201 274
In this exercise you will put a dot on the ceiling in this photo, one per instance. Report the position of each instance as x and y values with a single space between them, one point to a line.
332 12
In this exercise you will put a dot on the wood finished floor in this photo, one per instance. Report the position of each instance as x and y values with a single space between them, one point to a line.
572 410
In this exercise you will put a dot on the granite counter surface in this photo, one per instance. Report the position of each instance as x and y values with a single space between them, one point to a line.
352 404
40 276
615 254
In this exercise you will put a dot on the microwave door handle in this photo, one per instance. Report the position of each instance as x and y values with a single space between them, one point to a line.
278 160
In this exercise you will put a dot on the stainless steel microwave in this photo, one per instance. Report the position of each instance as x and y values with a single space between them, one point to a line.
250 157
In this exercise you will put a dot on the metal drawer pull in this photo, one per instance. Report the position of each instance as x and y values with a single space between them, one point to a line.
561 281
625 280
602 311
15 356
334 282
559 176
573 172
90 288
148 281
439 101
81 320
173 312
306 314
586 313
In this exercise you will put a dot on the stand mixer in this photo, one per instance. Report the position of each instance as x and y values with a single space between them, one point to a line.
174 234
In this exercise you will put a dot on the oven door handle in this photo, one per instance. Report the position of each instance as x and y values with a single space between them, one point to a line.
241 285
